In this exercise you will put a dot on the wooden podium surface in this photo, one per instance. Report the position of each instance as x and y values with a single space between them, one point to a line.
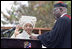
19 43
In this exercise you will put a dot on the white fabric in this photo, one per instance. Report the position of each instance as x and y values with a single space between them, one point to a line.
28 19
43 46
63 14
23 35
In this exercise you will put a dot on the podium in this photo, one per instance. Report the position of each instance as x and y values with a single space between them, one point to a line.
19 43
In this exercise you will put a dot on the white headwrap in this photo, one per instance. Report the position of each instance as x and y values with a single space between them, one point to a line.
28 19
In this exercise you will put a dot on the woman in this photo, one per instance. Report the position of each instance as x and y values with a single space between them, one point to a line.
27 23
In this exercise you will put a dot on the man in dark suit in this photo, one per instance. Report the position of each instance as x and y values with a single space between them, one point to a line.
60 35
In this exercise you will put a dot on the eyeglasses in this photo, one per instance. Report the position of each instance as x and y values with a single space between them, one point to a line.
55 9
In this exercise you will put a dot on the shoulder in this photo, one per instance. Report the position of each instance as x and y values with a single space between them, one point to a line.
64 18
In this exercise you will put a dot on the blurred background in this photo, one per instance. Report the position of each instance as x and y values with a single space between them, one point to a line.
11 11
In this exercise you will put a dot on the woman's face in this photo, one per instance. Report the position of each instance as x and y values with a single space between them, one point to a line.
28 28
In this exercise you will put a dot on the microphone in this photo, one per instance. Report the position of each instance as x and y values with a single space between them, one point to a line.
9 30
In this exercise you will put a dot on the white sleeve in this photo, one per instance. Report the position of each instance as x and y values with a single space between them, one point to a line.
35 34
18 36
13 36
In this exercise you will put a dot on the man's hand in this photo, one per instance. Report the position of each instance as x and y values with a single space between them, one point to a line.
33 37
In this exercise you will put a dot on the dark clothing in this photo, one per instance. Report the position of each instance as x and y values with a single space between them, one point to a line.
59 36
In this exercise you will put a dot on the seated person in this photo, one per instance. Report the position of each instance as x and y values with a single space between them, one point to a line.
27 23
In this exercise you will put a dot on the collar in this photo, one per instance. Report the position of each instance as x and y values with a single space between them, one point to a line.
63 14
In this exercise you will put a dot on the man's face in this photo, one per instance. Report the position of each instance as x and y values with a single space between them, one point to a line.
56 12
